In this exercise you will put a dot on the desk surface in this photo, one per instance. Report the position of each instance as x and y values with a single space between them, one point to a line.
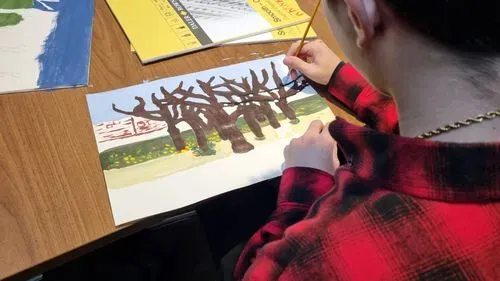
52 193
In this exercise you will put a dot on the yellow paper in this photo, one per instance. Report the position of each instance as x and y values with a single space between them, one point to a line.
278 13
293 32
284 34
164 28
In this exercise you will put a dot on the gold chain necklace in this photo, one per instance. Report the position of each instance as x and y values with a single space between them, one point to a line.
478 119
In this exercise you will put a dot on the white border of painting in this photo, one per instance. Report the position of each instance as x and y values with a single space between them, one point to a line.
194 185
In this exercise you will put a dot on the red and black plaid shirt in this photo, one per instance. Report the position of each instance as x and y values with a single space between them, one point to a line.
401 209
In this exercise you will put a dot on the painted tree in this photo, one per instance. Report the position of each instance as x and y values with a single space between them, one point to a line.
162 114
206 110
285 93
222 119
190 113
250 103
254 99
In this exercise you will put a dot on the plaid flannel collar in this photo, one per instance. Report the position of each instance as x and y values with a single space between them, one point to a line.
427 169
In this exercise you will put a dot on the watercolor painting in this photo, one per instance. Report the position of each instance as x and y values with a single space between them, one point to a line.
44 44
170 143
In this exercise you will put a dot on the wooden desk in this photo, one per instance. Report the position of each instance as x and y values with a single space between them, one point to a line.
53 197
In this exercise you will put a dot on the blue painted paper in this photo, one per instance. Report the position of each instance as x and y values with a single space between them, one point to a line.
49 48
65 60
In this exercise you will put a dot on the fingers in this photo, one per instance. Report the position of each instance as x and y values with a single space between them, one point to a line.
293 142
299 65
314 129
293 48
309 48
326 132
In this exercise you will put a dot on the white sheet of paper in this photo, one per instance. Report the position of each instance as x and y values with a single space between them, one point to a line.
146 176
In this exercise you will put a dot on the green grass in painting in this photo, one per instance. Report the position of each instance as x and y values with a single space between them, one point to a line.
135 153
10 19
16 4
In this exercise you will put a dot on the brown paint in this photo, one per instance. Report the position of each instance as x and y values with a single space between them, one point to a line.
252 101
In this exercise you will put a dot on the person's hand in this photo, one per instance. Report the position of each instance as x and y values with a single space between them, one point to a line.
316 61
315 149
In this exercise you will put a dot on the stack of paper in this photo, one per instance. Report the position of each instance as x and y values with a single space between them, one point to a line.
160 29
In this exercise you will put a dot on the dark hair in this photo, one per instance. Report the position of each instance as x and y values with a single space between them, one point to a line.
462 25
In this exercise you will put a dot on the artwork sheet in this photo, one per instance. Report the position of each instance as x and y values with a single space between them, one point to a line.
173 142
44 44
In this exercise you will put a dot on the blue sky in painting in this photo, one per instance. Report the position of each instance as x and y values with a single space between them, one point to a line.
100 104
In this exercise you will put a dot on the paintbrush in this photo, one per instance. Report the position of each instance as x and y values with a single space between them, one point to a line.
301 45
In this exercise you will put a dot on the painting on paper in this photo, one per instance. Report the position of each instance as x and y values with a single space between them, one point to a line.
44 44
173 142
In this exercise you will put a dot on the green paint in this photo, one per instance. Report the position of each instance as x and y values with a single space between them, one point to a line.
135 153
10 19
16 4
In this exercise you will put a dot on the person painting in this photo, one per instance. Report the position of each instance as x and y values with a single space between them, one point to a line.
419 197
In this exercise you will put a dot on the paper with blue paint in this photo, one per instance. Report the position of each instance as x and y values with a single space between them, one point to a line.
44 44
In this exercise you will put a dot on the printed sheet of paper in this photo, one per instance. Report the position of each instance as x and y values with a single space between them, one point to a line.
210 12
162 29
291 33
173 142
44 44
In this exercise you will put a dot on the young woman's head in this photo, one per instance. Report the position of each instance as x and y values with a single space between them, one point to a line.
380 36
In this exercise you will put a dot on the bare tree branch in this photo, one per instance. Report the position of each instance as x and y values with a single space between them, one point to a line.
170 99
139 112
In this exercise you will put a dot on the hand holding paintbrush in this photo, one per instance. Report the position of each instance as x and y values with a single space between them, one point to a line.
302 41
313 59
301 45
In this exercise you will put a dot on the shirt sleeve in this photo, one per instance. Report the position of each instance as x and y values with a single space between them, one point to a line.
299 189
369 106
